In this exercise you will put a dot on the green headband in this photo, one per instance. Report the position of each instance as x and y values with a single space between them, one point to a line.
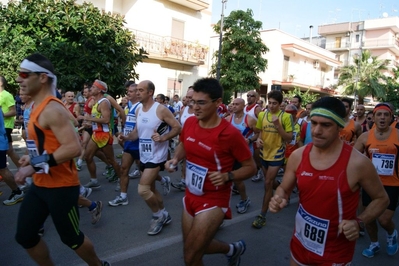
328 114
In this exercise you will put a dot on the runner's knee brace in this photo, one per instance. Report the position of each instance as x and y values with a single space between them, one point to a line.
145 191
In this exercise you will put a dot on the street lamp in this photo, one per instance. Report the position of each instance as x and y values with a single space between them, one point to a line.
220 42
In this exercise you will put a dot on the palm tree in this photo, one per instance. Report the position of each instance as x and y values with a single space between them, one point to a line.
365 77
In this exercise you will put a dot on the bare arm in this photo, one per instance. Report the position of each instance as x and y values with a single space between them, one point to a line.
117 107
56 118
360 143
105 111
165 115
284 190
11 112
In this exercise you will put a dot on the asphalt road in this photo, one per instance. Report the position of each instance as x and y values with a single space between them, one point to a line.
120 236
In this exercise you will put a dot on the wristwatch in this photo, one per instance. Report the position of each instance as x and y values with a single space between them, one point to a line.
230 175
360 223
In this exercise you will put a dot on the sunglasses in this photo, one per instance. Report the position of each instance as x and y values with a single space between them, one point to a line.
368 118
25 75
250 95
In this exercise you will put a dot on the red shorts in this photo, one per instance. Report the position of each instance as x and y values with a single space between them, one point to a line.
195 205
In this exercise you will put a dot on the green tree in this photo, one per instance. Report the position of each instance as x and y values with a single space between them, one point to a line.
307 96
83 42
365 77
242 53
393 89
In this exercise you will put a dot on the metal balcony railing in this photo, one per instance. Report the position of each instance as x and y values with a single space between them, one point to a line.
168 47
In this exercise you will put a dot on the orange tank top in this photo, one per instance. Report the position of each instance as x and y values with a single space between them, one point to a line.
347 134
43 140
384 155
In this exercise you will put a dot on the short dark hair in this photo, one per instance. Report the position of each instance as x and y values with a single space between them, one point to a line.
150 86
162 97
299 98
166 98
347 100
275 94
42 61
210 86
332 104
128 83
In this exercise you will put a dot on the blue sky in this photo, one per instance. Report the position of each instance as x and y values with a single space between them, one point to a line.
295 16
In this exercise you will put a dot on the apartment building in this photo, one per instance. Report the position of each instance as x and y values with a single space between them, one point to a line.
379 36
293 62
175 34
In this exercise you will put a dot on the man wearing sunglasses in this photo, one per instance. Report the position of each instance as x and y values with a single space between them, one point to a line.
381 145
52 144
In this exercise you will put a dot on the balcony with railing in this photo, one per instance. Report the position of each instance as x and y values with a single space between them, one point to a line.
197 5
171 49
376 43
337 46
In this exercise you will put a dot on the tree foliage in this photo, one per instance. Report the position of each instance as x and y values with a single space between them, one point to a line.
393 89
365 78
307 96
82 42
242 53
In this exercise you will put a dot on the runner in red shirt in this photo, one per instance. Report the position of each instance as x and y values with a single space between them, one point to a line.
210 145
329 174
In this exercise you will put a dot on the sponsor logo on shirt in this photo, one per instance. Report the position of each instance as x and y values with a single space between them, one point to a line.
304 173
145 120
324 177
190 139
204 146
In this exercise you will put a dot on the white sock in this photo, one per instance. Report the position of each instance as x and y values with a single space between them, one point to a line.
231 251
80 161
82 189
28 180
163 180
93 180
164 211
123 195
375 244
158 214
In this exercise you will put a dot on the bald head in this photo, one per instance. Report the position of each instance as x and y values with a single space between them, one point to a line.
238 106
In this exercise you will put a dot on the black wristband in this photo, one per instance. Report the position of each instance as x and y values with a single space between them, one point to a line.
51 161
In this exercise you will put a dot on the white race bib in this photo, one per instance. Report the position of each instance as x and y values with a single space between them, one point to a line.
195 178
311 231
384 163
146 149
127 130
293 140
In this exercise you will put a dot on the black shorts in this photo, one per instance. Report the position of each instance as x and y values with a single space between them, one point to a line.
89 130
393 194
152 165
135 154
3 159
8 132
38 204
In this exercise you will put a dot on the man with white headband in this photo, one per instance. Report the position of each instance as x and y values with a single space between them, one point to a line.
52 145
329 174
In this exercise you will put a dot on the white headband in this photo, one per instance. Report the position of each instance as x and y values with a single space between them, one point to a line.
29 65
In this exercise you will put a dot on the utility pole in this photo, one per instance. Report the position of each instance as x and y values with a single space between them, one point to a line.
220 42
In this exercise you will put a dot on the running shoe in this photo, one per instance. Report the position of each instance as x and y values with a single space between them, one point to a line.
118 201
243 205
135 174
166 185
371 251
87 191
107 171
92 184
181 185
14 198
157 224
234 190
258 177
280 171
25 187
259 221
105 263
114 178
96 212
119 155
239 249
392 243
